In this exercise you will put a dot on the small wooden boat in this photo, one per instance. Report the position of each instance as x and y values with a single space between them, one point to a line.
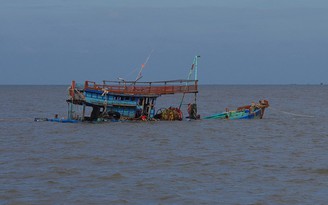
253 111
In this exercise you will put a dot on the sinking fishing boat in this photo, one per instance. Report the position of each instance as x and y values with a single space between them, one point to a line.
253 111
129 100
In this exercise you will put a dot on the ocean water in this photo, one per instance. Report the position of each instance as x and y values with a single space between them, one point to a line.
281 159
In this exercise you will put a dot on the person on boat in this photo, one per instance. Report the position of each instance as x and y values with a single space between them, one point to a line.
192 111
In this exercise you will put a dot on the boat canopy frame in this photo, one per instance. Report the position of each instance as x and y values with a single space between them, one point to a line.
144 88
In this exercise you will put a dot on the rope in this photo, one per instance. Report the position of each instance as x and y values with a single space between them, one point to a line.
79 93
290 113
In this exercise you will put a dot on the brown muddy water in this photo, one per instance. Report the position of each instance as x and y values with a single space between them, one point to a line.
281 159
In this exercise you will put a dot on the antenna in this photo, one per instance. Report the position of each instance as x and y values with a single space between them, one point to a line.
193 68
139 76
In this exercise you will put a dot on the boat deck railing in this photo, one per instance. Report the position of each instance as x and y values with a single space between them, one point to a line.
144 88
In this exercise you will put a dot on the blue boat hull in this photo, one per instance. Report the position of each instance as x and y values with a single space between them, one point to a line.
64 120
233 115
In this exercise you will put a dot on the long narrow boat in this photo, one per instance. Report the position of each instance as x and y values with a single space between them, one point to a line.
253 111
129 100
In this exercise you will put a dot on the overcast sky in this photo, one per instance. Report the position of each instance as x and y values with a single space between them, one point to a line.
240 41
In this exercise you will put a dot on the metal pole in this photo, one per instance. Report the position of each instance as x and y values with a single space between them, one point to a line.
196 67
83 112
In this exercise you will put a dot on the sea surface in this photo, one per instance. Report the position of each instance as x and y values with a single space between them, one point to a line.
281 159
